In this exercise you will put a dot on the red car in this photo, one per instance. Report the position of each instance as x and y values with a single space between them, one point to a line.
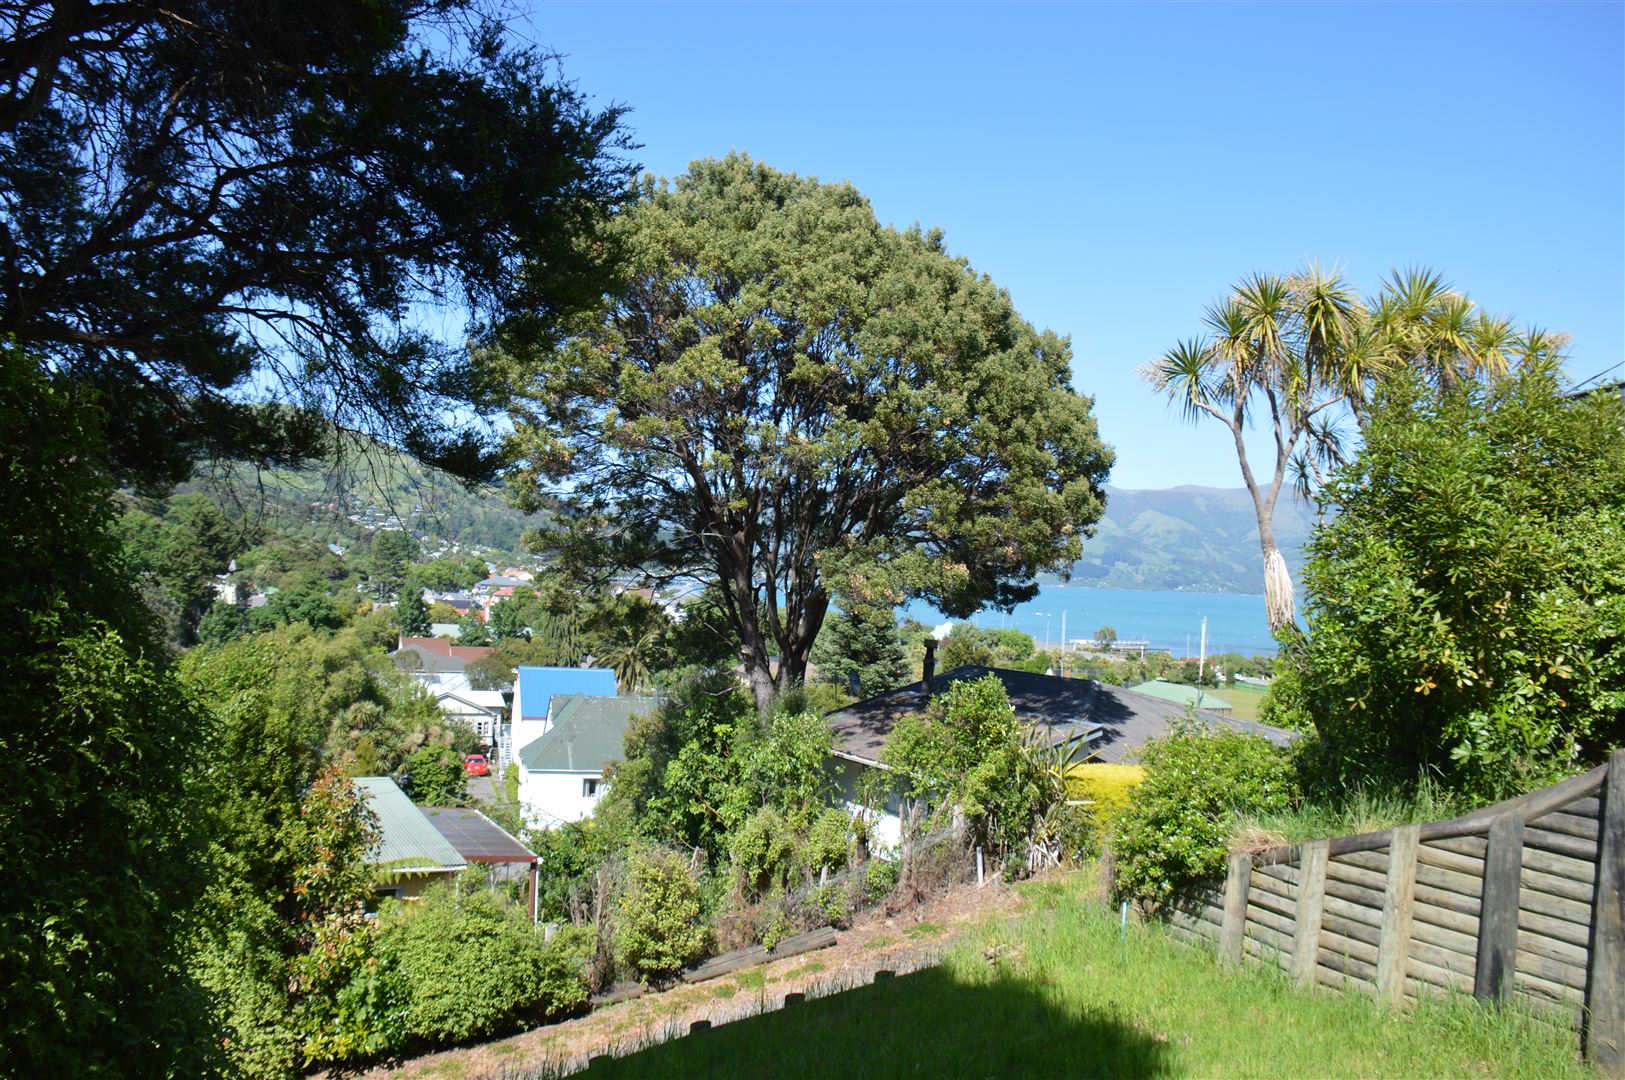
476 765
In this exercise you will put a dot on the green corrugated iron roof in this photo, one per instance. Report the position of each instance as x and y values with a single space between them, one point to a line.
410 841
1181 694
587 733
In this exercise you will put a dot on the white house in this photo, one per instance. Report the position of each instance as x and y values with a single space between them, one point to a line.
479 709
535 689
561 774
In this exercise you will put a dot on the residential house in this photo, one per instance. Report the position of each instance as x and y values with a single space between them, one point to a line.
561 774
1183 695
1108 722
535 688
410 854
436 662
481 710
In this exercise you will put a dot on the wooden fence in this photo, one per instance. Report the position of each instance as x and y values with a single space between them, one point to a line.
1522 900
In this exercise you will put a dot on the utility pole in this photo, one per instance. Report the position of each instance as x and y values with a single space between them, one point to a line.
1201 665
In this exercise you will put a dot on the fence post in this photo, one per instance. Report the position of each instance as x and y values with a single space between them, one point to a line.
1605 974
1394 943
1498 910
1306 914
1235 907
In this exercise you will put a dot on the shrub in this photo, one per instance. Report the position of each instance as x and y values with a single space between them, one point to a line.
827 843
764 853
435 777
970 751
832 903
1466 591
1108 789
1174 831
659 926
473 966
880 879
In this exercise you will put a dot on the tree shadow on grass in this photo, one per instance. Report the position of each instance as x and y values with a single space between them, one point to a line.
927 1024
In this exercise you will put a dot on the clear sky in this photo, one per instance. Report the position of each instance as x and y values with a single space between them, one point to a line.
1116 167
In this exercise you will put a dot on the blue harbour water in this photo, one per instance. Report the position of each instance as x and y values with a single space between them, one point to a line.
1168 620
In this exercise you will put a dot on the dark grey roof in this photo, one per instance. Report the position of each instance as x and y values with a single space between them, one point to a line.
428 661
587 733
476 837
1063 706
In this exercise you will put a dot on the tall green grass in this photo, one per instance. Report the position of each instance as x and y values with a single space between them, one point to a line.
1360 810
1064 992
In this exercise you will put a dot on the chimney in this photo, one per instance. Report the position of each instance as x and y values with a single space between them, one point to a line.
930 666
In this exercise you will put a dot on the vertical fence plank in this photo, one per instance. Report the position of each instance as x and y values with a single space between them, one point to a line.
1605 976
1235 907
1498 910
1394 941
1306 914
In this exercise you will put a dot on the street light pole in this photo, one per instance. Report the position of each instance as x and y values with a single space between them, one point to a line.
1046 616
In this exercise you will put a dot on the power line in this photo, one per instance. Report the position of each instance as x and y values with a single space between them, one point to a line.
1599 375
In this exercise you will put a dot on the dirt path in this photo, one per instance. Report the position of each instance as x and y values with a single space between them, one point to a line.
901 943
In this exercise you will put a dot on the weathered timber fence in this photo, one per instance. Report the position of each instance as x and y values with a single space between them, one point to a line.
1523 900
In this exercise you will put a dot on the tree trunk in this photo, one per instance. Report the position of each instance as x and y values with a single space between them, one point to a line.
759 677
1279 609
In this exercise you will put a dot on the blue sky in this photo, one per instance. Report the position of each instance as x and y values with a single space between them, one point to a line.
1116 167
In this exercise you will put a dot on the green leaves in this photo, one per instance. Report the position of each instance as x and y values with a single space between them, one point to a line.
1463 611
788 399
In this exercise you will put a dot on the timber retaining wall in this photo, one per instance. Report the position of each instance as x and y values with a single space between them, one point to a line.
1522 900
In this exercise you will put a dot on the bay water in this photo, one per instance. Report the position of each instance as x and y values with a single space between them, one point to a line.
1168 620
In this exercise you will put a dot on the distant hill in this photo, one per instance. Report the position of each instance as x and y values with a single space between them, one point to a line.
1185 538
1188 538
376 488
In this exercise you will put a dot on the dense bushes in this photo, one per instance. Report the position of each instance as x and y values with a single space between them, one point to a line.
1466 595
659 923
969 752
472 966
1175 829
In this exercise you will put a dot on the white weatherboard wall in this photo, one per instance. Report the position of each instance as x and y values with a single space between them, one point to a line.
555 798
885 823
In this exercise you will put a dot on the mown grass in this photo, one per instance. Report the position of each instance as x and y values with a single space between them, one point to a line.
1245 700
1066 995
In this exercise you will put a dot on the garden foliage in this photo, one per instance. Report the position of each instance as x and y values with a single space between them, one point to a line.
659 923
1176 828
969 753
471 965
1466 593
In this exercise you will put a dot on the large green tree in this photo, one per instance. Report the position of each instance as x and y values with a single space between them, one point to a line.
209 203
861 651
1466 594
790 400
99 849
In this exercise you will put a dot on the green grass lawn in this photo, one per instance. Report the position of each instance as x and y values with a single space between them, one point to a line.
1246 699
1067 996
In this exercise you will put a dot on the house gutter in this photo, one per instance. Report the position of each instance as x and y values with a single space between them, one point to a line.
860 760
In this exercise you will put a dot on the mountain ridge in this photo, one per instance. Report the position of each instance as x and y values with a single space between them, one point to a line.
1186 538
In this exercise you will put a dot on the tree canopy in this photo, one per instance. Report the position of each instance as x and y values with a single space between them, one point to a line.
210 202
100 856
788 399
1302 353
1467 591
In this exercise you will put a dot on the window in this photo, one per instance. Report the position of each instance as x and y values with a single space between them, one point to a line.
589 787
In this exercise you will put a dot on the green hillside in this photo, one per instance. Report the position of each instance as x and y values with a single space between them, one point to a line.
1190 538
372 488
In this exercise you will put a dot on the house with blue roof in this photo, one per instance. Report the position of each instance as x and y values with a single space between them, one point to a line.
536 687
561 774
